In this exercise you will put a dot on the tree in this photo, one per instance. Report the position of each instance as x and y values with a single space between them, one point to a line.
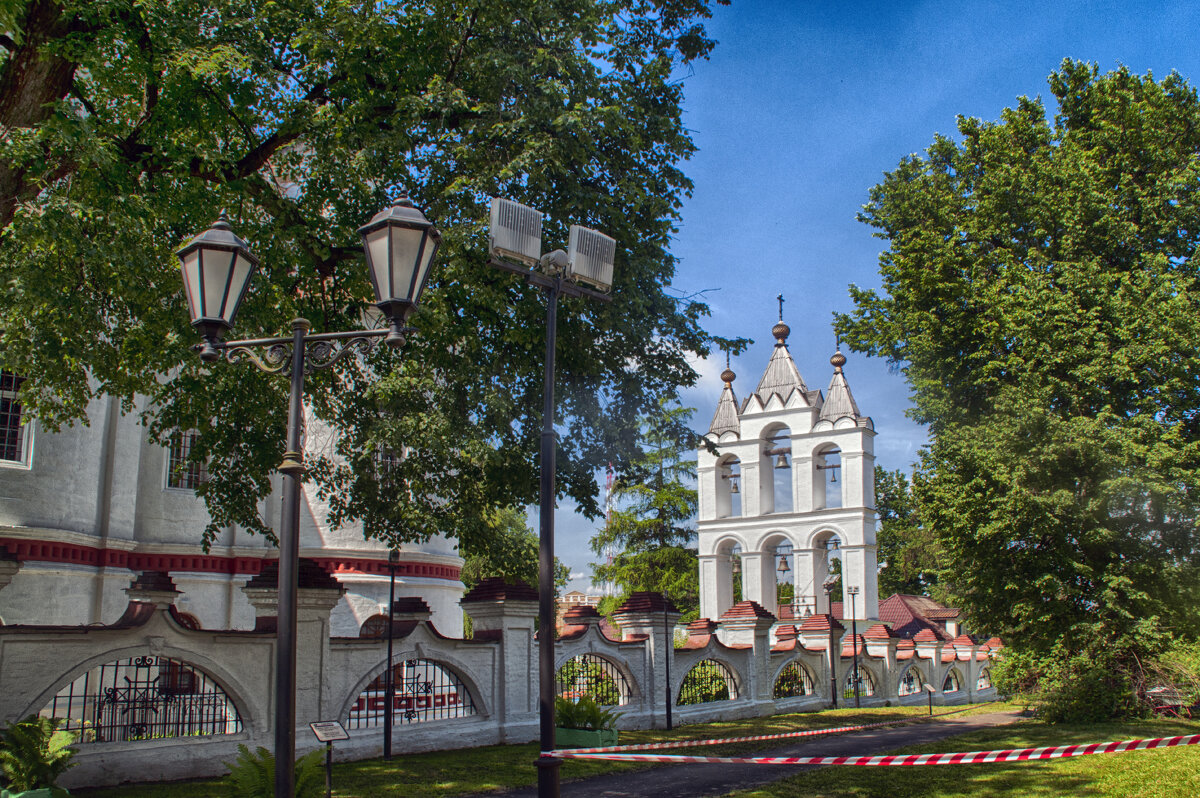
1040 293
907 549
128 125
511 552
653 530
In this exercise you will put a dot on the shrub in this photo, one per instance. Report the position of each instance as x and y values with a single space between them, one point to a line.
253 774
34 752
583 714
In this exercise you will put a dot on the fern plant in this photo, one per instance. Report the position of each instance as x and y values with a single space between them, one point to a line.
583 714
34 752
252 775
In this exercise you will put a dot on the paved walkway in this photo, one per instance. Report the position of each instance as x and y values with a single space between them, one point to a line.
693 780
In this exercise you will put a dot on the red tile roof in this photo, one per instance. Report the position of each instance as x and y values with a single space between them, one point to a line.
820 623
878 631
494 588
926 636
908 615
647 601
746 609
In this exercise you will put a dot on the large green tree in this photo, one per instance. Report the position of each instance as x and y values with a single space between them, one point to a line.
510 552
128 125
651 530
1040 293
907 549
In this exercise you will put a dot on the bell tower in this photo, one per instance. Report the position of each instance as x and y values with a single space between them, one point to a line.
786 486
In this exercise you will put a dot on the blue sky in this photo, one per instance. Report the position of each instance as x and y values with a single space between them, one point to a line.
800 110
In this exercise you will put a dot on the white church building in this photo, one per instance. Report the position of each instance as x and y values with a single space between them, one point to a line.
84 509
786 485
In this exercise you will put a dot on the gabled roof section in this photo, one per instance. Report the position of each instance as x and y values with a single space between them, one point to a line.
781 377
839 402
726 417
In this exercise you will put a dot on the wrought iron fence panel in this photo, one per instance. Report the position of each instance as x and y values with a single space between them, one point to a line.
794 680
144 698
866 684
595 677
707 681
423 690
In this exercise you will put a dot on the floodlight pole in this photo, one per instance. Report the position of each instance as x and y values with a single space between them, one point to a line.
554 286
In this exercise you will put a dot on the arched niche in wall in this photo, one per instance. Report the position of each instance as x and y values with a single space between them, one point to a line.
827 477
775 469
827 563
729 487
788 604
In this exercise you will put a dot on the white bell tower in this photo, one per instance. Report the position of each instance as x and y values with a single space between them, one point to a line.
792 477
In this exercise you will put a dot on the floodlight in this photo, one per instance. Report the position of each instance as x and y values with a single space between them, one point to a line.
591 255
515 231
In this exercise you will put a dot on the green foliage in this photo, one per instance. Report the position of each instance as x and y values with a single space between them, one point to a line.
1040 294
34 752
907 549
509 551
578 674
705 682
138 121
652 530
252 775
583 714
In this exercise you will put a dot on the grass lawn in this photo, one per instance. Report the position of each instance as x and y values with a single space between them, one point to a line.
500 767
1161 773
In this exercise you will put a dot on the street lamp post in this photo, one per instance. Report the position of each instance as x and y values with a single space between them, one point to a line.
389 690
217 266
833 682
515 231
852 590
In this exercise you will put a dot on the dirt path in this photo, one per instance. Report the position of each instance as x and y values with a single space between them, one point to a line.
693 780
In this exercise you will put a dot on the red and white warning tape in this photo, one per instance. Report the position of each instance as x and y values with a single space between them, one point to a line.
969 758
759 737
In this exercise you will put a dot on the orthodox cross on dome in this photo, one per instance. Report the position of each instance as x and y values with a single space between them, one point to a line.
780 298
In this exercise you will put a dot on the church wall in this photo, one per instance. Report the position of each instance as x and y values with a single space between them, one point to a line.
92 506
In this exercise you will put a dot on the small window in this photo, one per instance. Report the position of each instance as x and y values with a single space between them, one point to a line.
182 472
14 436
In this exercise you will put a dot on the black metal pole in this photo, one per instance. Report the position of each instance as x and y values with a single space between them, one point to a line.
292 468
669 652
329 769
389 692
833 683
548 766
854 648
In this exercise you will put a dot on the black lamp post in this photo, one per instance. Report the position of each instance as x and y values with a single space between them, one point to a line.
389 690
833 682
852 590
217 266
515 231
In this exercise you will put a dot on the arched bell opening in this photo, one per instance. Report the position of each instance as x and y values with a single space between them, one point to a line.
827 477
827 570
775 460
729 487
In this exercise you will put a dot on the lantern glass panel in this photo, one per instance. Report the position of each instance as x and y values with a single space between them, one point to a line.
191 283
377 255
242 268
215 268
406 249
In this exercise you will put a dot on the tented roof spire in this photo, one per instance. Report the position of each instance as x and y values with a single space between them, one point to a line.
781 377
726 417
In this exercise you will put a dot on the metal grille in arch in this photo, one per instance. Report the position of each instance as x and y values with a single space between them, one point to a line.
424 690
707 681
595 677
144 698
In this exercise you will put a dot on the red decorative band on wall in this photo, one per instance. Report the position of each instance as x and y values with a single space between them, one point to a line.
27 550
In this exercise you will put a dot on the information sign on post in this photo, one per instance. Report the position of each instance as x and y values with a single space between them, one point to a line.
327 731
